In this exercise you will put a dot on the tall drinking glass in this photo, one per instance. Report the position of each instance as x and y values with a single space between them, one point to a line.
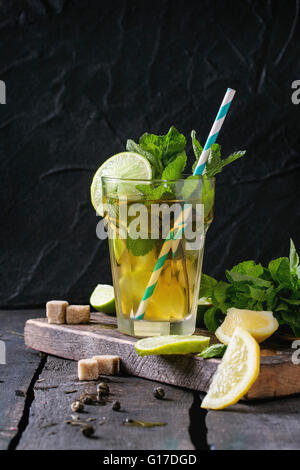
140 216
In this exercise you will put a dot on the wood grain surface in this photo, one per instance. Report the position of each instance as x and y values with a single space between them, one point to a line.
38 421
51 409
278 375
16 375
260 425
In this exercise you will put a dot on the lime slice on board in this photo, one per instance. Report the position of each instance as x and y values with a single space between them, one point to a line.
126 165
103 299
171 344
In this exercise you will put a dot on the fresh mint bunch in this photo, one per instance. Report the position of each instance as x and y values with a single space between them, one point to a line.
215 163
162 152
254 287
172 171
167 156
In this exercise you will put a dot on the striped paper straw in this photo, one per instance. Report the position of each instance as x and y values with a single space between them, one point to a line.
173 237
215 130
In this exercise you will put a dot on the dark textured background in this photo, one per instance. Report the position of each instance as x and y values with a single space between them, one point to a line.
83 76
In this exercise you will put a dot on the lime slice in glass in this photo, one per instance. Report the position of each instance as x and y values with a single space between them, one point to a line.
171 344
126 165
119 246
103 299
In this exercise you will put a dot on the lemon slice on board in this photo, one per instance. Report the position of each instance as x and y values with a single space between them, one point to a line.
261 325
236 373
128 165
103 299
171 344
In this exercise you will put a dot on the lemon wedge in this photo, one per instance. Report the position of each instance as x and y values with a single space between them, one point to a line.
236 373
260 325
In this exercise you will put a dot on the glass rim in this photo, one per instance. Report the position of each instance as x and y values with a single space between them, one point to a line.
156 180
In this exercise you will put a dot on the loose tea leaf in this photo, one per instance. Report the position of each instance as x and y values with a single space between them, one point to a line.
215 350
142 424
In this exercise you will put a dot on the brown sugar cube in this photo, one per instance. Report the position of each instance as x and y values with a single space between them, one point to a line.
108 365
56 311
88 369
78 314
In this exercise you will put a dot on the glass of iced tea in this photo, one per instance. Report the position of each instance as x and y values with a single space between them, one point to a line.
157 227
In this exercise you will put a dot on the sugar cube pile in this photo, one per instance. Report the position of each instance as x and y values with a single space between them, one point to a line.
90 369
60 312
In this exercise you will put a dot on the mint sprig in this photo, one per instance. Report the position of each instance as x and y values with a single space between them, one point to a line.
172 171
254 287
215 163
168 159
160 150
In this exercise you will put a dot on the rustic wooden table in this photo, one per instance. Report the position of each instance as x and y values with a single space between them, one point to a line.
35 405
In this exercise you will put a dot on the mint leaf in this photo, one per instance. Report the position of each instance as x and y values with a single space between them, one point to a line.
207 285
197 148
164 147
294 258
207 196
215 350
174 169
140 247
249 267
155 193
271 298
215 164
196 183
219 296
240 277
174 143
280 271
212 318
257 294
233 157
291 301
152 143
292 318
191 184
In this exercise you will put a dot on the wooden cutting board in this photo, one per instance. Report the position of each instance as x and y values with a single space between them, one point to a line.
278 375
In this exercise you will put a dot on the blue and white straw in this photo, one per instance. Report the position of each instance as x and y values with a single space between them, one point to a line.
173 237
215 130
